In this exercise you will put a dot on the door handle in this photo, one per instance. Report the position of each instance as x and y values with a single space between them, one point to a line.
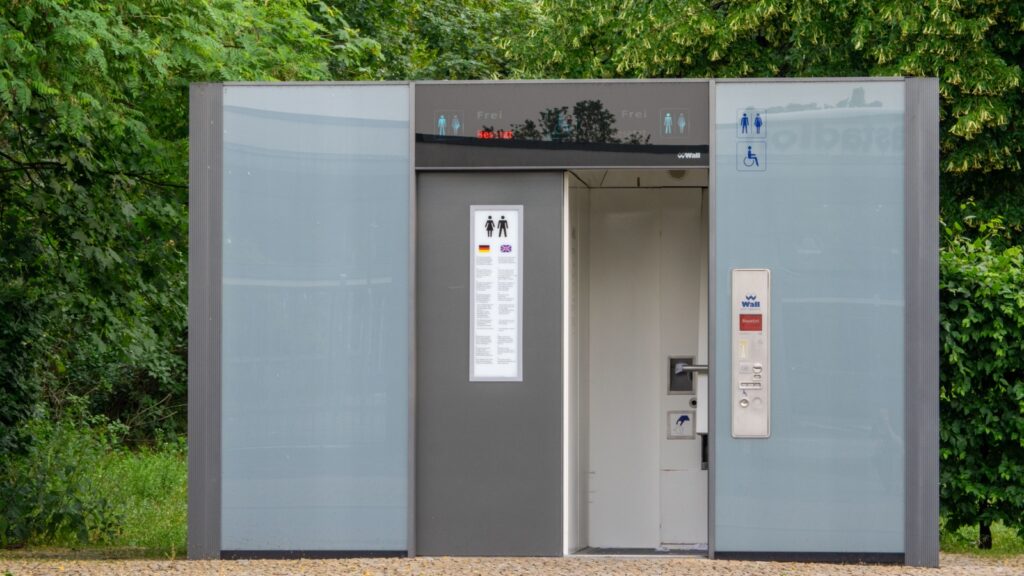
702 369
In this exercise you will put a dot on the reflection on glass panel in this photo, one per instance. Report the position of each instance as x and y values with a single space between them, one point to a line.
586 122
315 317
562 124
809 183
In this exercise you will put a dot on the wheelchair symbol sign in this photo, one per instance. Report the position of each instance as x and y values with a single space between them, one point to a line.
751 156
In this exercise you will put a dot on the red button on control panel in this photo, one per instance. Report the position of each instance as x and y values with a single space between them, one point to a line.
751 323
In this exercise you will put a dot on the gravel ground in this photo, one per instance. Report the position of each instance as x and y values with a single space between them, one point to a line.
957 565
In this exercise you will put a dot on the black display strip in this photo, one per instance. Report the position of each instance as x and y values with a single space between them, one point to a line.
549 145
455 152
311 554
562 124
823 557
437 156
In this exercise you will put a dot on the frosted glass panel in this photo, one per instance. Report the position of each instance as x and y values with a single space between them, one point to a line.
822 207
315 317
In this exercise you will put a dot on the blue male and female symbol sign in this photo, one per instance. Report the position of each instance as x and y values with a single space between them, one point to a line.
752 140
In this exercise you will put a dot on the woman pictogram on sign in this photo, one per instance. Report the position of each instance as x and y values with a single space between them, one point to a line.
489 226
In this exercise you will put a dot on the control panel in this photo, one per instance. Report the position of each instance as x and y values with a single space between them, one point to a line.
751 353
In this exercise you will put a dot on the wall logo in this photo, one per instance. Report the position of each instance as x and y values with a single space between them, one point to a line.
750 301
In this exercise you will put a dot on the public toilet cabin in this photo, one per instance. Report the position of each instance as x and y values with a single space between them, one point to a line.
565 317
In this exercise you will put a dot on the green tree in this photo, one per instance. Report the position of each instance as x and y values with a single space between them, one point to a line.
431 39
982 378
93 189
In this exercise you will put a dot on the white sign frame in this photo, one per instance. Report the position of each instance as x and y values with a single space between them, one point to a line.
475 241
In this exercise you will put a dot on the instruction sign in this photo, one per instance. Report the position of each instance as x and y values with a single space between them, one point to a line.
496 293
680 424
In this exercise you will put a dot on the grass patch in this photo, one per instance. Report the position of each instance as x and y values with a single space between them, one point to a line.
1005 541
148 492
149 488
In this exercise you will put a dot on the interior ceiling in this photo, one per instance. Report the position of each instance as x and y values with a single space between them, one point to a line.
638 178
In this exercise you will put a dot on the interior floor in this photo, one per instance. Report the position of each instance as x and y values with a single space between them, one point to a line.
642 552
637 304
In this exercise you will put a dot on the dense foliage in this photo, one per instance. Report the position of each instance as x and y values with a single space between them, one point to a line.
93 190
93 213
982 376
52 491
435 39
77 484
93 172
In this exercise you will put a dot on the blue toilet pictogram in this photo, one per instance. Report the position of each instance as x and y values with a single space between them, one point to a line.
751 124
442 125
751 159
671 123
750 156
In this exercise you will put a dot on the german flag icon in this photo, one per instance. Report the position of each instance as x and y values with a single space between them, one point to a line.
483 248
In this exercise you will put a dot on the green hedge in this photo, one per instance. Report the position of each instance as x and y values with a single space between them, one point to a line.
982 380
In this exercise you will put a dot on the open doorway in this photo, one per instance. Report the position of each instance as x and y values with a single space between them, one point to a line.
636 342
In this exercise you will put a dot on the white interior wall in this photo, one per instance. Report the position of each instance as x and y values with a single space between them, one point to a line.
578 365
644 283
624 351
683 485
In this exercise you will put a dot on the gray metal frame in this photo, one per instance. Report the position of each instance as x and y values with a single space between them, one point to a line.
205 219
410 527
712 302
921 250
